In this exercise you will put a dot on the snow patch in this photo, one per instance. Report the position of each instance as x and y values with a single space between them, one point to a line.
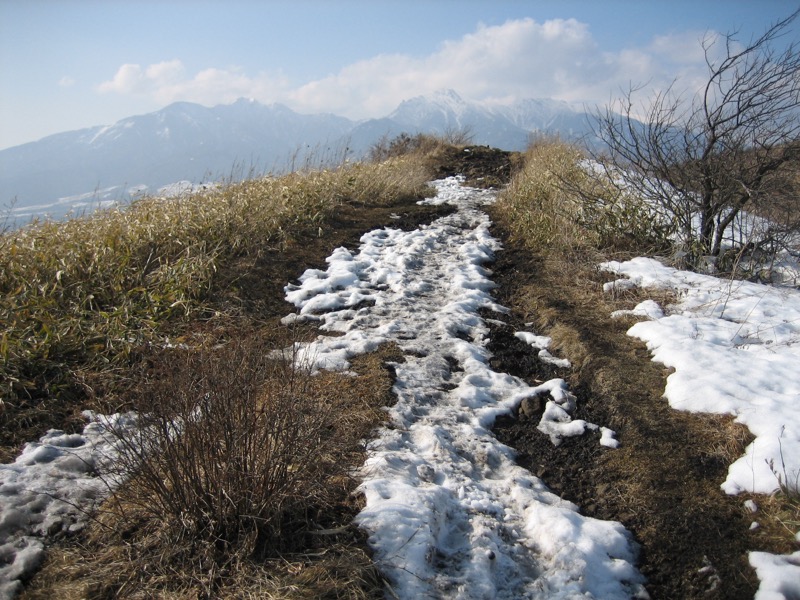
542 343
448 511
51 488
734 347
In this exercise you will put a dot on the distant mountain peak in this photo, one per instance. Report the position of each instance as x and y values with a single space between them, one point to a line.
448 94
186 141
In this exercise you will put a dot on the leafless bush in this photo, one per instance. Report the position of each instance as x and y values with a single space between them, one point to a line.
459 136
230 454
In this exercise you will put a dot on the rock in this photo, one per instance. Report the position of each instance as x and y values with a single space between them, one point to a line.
531 408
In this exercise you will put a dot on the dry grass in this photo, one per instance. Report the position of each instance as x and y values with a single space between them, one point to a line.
341 571
663 482
239 480
254 503
538 205
90 293
419 145
559 203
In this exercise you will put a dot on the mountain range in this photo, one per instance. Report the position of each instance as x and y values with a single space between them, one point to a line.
185 142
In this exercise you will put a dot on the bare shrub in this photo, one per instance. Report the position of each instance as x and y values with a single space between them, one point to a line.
231 453
458 136
724 152
238 485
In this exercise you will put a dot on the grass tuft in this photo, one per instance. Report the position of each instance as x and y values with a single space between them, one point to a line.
558 201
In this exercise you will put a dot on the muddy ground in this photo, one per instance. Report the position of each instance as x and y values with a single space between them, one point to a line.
662 482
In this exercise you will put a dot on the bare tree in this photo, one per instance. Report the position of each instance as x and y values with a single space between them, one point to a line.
731 147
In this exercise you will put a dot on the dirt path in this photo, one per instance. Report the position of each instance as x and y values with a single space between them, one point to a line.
449 512
663 481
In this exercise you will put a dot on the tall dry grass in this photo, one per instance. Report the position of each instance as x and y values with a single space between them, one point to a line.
560 202
88 291
238 458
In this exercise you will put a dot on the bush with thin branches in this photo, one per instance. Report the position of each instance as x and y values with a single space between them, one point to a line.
231 451
730 149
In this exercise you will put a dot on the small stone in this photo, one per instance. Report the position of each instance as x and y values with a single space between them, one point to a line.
530 408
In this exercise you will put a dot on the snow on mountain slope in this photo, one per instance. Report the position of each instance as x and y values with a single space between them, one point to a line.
183 141
186 141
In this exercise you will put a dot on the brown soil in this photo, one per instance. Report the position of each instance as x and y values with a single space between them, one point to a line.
663 481
482 166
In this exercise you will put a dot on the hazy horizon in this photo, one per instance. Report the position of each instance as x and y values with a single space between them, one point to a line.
73 64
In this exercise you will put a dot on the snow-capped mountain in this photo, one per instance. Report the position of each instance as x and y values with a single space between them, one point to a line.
188 142
509 127
184 141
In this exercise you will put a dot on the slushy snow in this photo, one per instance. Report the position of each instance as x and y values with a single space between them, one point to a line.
52 487
448 512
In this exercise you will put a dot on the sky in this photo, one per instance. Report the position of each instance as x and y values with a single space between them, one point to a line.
71 64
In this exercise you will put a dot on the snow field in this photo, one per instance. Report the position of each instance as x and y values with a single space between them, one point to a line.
448 512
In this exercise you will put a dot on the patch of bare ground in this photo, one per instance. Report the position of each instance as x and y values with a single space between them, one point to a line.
663 482
328 557
482 166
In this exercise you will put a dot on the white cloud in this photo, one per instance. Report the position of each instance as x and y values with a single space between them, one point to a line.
518 59
167 82
164 73
66 81
128 79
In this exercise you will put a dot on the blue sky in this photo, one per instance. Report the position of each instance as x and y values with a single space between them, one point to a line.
69 64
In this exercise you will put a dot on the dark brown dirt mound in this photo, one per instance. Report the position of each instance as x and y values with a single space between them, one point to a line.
481 165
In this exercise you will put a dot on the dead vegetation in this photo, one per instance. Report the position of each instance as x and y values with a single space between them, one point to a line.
240 476
663 482
254 500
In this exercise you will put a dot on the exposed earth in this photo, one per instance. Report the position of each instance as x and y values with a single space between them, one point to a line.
662 483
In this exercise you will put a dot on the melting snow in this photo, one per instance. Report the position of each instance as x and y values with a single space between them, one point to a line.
449 513
50 488
735 348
